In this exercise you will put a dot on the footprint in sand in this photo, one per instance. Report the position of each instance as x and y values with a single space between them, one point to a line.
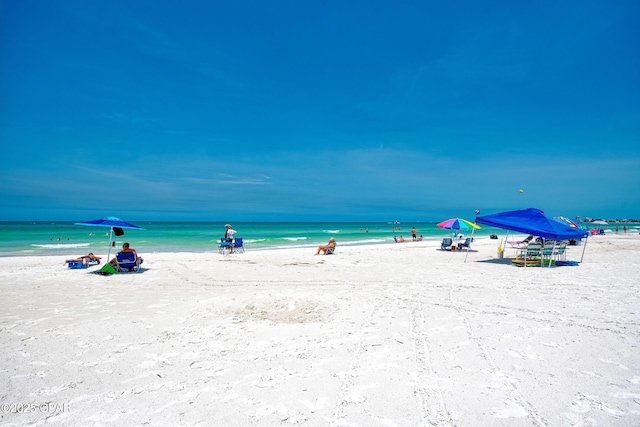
513 410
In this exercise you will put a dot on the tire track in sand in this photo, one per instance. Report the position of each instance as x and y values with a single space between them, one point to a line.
516 394
427 390
348 381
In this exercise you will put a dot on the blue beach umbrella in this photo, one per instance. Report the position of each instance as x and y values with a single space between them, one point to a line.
116 226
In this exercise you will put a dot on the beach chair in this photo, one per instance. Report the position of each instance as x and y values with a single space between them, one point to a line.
238 245
76 264
561 250
465 244
549 248
83 262
225 245
530 254
91 261
446 244
548 251
330 251
127 261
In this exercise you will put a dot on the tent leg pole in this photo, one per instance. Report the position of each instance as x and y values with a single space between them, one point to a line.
467 254
583 248
504 245
110 240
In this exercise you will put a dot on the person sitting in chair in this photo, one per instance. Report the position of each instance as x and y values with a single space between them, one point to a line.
126 248
330 245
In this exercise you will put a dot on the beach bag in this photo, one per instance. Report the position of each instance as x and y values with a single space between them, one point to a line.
106 270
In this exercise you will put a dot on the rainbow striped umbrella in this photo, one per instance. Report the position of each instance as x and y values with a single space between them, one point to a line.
457 224
567 221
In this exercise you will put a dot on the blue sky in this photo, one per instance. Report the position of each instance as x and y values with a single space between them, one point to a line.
294 111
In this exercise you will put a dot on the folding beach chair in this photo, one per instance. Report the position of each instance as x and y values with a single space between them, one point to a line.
225 245
238 245
561 250
465 244
446 244
330 251
127 261
530 255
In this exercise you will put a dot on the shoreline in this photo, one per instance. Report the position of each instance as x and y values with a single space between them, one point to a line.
285 337
40 239
427 241
214 249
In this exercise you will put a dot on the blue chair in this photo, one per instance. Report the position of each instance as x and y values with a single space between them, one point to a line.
76 264
446 244
238 245
83 261
127 261
465 244
225 244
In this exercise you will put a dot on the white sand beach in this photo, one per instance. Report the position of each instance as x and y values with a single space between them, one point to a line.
386 335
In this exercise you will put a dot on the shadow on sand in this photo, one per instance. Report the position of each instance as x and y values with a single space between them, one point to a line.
503 261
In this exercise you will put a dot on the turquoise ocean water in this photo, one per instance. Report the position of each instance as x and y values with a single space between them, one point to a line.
66 238
58 237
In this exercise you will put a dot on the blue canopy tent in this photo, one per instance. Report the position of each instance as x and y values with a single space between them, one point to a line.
116 226
533 221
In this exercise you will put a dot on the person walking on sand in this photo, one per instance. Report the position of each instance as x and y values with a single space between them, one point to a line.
227 241
323 248
229 232
413 234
